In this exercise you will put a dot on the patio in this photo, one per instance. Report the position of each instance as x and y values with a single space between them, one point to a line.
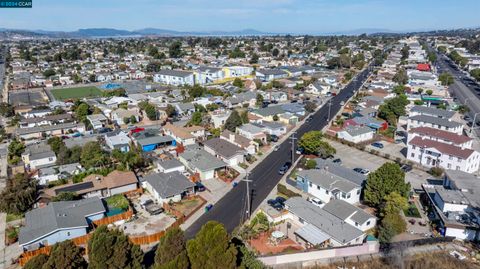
264 244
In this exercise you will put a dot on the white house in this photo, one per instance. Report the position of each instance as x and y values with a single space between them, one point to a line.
207 74
351 214
171 165
356 134
431 153
434 122
318 88
200 162
175 77
37 155
219 118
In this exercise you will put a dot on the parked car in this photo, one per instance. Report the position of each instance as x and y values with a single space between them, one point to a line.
280 200
337 161
342 103
284 168
199 187
275 204
208 207
299 151
406 168
315 201
276 147
362 171
377 145
273 138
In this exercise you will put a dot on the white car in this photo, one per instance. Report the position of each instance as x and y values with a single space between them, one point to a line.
316 201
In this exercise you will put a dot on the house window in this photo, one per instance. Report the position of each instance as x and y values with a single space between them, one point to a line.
343 195
310 184
68 233
413 155
368 223
458 168
326 191
318 187
449 166
414 147
358 192
348 196
356 223
450 157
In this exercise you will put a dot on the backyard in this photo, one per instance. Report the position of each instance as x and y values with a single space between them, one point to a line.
76 93
188 206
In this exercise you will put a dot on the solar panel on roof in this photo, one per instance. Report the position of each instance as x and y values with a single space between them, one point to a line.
75 188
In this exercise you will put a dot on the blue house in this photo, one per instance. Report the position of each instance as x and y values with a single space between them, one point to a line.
151 139
59 221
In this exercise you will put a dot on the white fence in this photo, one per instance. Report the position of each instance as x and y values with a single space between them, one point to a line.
371 247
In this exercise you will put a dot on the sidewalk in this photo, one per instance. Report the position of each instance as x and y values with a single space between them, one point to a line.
3 226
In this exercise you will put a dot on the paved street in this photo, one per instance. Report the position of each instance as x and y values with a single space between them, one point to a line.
230 210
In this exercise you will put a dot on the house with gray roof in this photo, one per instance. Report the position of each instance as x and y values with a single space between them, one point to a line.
351 214
59 221
314 226
56 172
435 122
270 74
331 181
168 187
174 77
170 165
356 134
225 151
118 140
432 112
98 121
37 155
197 160
252 132
456 204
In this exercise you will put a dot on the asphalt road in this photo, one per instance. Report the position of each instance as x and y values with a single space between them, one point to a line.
230 210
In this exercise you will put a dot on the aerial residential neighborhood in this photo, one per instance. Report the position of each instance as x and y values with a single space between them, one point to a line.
300 146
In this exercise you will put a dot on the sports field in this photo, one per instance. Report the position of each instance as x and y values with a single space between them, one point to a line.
76 93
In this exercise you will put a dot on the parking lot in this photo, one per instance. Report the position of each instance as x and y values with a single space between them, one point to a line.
352 157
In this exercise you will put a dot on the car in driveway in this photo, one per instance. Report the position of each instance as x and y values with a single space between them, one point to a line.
315 201
377 145
337 161
284 168
362 171
277 203
406 168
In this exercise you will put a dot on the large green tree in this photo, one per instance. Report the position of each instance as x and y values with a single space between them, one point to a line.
92 155
82 111
211 248
65 255
391 225
111 249
393 203
171 252
386 179
401 77
18 195
393 108
446 79
233 121
312 143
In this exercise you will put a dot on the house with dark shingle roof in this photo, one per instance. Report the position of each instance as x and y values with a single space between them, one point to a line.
225 151
331 181
59 221
318 227
168 187
351 214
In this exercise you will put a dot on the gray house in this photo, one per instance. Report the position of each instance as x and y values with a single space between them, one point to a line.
168 187
59 221
199 161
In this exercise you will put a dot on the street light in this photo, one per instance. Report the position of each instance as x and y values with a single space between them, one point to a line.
329 108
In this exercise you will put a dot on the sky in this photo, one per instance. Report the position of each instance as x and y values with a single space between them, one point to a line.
275 16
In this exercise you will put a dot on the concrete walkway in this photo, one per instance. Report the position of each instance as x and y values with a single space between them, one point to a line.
3 226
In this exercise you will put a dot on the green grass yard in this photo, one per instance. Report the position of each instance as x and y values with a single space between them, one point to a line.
76 93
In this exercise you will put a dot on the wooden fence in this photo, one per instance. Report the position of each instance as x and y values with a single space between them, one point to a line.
27 255
153 238
109 220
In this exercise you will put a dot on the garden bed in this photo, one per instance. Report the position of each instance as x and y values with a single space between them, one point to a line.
412 211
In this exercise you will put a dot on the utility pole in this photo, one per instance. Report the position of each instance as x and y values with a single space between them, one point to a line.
248 193
293 138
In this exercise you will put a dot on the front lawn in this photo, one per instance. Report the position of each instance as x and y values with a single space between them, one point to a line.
187 207
76 93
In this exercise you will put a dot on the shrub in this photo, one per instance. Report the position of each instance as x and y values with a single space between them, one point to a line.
282 189
436 171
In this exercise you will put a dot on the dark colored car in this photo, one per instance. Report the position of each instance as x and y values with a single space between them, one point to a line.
406 168
337 161
280 200
152 208
199 187
275 204
284 168
377 145
273 138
